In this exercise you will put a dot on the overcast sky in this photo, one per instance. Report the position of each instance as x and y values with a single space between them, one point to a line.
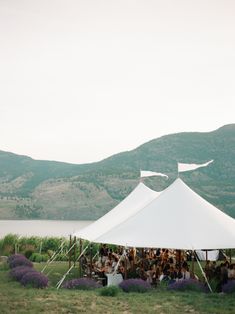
81 80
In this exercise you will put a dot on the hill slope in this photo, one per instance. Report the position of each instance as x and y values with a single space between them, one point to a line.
53 190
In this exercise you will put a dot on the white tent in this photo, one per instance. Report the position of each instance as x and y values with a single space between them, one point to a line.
137 199
179 219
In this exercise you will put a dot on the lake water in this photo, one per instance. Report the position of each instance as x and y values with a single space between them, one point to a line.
42 228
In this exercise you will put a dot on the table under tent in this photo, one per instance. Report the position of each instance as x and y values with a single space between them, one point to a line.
177 218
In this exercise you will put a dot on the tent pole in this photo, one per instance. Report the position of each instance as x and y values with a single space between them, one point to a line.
54 257
203 273
118 263
74 250
80 251
193 263
90 275
180 259
206 255
59 283
50 260
125 256
230 256
70 245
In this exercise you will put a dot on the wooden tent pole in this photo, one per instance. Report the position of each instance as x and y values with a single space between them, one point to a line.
203 273
90 260
74 250
193 262
70 244
180 259
80 251
125 275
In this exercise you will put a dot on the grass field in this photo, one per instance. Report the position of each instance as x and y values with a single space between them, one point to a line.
16 299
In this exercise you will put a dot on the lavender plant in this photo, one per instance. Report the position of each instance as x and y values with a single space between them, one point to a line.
34 279
20 260
135 285
18 272
13 257
187 285
229 287
81 284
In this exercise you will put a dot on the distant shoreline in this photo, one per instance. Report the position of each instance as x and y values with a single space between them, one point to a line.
42 228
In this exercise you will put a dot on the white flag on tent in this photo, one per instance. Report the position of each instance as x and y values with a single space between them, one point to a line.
188 167
144 174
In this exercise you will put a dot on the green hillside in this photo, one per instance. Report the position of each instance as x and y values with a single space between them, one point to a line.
31 189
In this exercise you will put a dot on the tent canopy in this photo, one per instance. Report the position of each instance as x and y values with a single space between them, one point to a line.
137 199
179 219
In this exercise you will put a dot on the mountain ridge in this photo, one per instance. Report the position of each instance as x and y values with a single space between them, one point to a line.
33 189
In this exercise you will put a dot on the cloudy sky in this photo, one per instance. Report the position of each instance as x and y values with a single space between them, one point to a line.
81 80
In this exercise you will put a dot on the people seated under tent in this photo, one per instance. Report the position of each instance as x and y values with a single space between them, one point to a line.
155 266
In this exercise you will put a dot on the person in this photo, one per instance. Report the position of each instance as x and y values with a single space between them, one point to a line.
103 250
83 263
114 261
165 276
185 273
223 273
108 268
231 271
172 274
151 274
208 270
132 257
121 269
178 273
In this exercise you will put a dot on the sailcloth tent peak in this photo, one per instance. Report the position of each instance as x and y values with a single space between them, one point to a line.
138 198
179 219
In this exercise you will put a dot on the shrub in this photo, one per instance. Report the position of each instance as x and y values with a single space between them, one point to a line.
81 284
34 279
14 256
110 291
187 285
135 285
50 253
28 253
51 244
3 263
19 261
8 244
18 272
229 287
30 241
38 258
